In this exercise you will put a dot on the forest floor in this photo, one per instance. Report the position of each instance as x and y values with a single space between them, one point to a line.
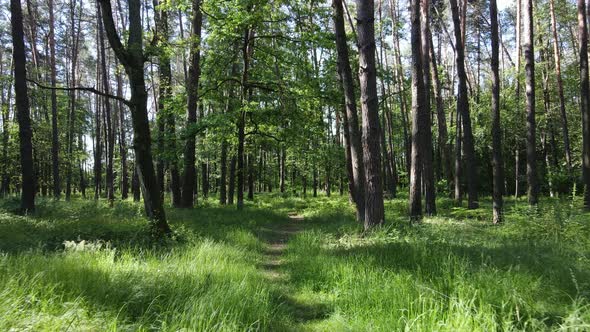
294 264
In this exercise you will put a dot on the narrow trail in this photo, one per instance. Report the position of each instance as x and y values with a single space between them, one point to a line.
273 269
276 239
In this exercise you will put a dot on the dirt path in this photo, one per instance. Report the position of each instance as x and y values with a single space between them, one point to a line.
272 266
277 239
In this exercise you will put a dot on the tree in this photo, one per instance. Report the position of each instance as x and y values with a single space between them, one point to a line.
418 100
54 130
463 111
529 56
351 128
498 176
189 174
132 58
557 58
584 99
22 108
374 209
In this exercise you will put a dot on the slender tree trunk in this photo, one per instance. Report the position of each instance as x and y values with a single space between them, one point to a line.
54 129
557 57
496 130
122 141
189 177
529 55
374 209
443 144
418 98
584 99
345 72
223 177
22 108
135 185
282 170
231 188
5 108
463 110
110 137
425 118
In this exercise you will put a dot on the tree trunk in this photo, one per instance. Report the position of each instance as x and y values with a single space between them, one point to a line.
374 209
529 55
189 177
345 72
585 99
110 137
54 129
557 58
132 58
443 144
496 131
463 110
418 98
122 141
22 108
425 118
223 177
5 109
231 188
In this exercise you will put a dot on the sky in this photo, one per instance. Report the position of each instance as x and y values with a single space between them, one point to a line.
504 3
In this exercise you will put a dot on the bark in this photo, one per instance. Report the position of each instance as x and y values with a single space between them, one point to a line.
529 55
425 118
231 188
463 110
54 129
247 51
345 72
584 99
189 176
374 209
166 118
22 108
496 131
223 177
122 141
557 58
5 109
75 38
110 137
418 99
282 171
443 144
132 58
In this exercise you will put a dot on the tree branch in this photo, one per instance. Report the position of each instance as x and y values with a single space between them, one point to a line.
82 88
111 32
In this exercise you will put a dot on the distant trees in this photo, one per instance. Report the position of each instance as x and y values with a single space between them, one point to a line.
262 98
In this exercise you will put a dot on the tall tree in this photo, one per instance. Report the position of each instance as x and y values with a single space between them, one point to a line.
529 56
418 99
463 110
54 129
189 174
425 118
374 209
557 58
168 123
132 58
497 164
22 108
350 115
585 99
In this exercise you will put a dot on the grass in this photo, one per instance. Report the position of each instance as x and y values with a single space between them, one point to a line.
82 266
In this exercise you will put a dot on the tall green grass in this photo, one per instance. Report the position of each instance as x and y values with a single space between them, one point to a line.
82 266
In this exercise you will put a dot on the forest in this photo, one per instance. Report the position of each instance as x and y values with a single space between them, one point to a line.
294 165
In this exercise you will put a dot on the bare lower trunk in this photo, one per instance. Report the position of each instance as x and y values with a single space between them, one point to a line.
529 56
374 209
496 130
